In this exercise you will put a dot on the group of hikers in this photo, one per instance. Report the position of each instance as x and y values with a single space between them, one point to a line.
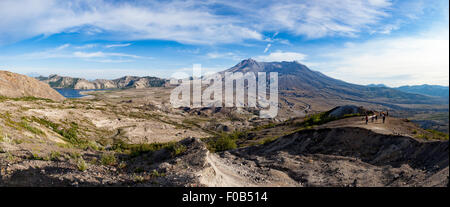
374 117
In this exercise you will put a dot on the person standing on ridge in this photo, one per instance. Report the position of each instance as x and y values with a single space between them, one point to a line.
384 118
367 119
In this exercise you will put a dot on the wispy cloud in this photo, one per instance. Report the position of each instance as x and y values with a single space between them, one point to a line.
281 56
267 47
86 46
193 22
118 45
100 54
182 21
66 51
227 55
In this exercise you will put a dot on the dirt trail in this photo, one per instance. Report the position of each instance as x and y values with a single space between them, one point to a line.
392 125
222 175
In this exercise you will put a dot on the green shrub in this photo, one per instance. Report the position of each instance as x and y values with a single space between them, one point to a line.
54 156
222 143
1 135
35 156
18 141
75 155
155 173
176 149
81 164
138 178
108 159
135 150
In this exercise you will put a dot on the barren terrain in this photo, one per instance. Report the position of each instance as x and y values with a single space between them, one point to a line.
135 138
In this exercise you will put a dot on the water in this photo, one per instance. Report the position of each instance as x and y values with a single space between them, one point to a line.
73 93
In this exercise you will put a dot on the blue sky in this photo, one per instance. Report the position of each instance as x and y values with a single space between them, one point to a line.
372 41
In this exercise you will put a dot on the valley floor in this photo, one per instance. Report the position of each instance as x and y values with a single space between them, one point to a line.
134 138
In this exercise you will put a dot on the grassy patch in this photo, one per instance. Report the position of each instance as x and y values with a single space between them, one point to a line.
70 134
433 135
226 141
26 125
267 140
135 150
35 156
18 141
2 137
26 98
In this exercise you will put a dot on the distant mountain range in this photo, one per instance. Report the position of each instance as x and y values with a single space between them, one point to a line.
292 76
56 81
298 77
429 90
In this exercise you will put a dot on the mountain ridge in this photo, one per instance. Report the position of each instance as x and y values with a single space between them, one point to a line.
424 89
56 81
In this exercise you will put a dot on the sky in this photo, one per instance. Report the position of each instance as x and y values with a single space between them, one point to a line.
389 42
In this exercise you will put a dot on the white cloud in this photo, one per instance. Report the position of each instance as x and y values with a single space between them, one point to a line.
228 55
316 19
193 22
118 45
86 46
267 47
65 51
186 22
281 56
100 54
394 62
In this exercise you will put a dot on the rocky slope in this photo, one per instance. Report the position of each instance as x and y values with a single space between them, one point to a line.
56 81
15 85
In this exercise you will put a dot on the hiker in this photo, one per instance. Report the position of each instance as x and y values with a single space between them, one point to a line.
376 117
372 118
387 113
384 118
367 119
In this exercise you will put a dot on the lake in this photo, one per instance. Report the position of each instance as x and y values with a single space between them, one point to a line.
74 93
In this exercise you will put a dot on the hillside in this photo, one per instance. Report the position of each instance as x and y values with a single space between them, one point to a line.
56 81
14 85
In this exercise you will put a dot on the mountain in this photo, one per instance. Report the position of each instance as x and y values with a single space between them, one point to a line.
15 85
430 90
56 81
377 85
293 76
